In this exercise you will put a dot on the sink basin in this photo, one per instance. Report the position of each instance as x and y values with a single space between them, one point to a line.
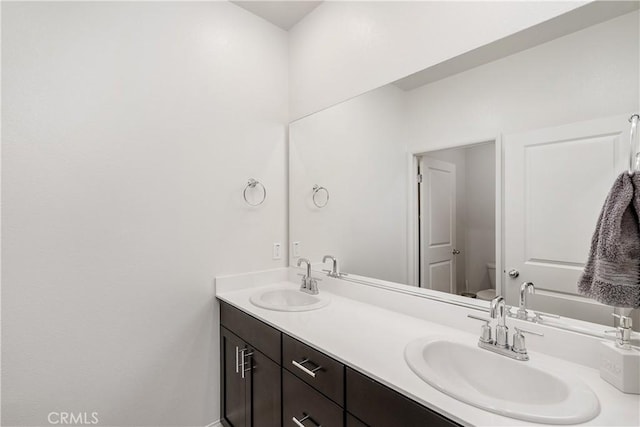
516 389
289 300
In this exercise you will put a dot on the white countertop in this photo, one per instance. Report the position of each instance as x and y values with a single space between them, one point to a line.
372 339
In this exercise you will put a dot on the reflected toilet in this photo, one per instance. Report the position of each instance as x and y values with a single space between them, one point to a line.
489 294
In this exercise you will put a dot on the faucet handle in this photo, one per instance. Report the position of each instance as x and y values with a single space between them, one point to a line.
331 274
623 321
538 316
519 345
485 330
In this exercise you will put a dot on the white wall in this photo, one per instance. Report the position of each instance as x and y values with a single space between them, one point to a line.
129 132
343 49
356 151
585 75
480 230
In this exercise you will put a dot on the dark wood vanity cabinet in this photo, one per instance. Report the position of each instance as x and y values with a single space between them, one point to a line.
377 405
251 381
287 383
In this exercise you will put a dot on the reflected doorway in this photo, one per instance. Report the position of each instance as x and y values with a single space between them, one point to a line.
457 220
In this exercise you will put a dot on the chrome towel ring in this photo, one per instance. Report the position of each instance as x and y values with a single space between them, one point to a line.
317 200
253 184
634 148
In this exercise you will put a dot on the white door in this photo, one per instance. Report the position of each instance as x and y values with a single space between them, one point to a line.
555 182
437 224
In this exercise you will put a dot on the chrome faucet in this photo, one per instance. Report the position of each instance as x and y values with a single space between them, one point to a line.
501 345
309 284
498 311
334 272
525 289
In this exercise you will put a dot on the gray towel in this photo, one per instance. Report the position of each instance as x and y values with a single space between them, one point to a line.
612 272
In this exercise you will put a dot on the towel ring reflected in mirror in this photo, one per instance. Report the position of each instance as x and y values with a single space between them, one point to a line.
253 184
634 147
317 196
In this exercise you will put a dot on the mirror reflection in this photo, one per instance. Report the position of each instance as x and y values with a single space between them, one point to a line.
476 181
456 220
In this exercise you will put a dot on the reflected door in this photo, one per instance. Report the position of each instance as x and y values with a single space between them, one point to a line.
437 224
555 182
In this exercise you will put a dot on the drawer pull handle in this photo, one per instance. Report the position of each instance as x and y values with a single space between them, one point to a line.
243 368
303 419
310 372
237 361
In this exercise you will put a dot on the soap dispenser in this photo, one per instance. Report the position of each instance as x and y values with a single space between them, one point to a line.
619 361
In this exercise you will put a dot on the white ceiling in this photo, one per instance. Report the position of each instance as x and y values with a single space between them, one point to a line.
284 14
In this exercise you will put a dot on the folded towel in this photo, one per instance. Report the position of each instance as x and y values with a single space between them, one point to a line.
612 272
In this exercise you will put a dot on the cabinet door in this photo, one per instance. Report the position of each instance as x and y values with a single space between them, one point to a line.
266 384
234 388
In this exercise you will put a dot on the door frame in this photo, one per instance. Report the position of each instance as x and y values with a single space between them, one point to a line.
413 239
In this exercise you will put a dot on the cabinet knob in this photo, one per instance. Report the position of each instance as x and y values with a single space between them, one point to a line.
513 273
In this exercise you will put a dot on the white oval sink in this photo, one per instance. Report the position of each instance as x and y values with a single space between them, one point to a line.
501 385
289 300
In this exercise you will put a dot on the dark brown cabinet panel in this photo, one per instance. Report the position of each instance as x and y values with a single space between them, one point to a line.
234 392
315 368
307 406
250 385
266 388
261 336
379 406
354 422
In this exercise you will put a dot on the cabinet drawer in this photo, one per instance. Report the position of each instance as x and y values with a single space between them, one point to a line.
379 406
300 401
259 335
315 368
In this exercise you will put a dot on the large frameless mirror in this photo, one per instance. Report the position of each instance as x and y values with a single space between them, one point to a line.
470 180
